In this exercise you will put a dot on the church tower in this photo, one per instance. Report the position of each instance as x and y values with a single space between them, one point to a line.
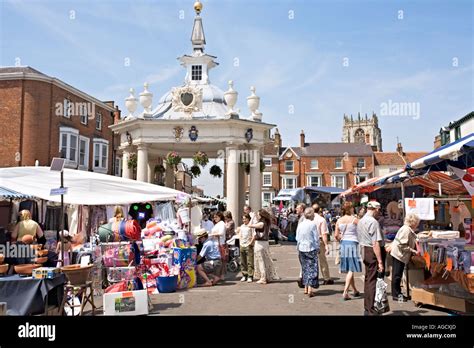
363 131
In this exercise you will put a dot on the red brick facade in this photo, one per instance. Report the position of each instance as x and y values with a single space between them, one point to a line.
31 127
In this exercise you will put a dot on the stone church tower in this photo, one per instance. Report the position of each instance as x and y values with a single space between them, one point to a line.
362 130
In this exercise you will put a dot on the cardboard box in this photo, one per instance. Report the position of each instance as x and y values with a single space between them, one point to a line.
45 272
431 297
126 303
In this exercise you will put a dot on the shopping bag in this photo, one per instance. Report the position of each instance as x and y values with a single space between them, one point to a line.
381 304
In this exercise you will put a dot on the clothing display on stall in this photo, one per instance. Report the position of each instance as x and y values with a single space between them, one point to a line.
52 218
423 207
165 211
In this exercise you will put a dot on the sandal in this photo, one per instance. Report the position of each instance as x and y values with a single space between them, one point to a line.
262 281
356 294
346 298
311 294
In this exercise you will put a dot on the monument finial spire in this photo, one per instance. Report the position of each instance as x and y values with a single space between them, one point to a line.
197 37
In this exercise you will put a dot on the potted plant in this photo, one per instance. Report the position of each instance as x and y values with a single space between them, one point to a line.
172 158
195 171
200 158
246 166
132 161
216 171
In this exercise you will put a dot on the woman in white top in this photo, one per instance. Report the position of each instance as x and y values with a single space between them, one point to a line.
346 233
218 233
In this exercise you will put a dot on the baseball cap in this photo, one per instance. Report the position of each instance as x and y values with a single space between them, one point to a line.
373 205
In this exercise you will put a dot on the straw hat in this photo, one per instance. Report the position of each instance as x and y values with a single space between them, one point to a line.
200 232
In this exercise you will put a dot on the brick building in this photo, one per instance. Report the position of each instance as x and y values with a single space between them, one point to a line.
43 117
325 164
387 162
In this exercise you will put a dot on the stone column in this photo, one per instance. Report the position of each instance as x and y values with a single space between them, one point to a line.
232 182
242 192
151 170
126 172
169 176
142 162
255 196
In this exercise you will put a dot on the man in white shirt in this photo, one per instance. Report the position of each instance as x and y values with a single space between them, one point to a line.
322 226
371 241
207 224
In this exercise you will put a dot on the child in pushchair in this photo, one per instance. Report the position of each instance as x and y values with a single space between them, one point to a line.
233 264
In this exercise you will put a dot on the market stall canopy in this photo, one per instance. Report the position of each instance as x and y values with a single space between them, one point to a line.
431 181
372 184
6 194
84 188
290 195
325 189
459 154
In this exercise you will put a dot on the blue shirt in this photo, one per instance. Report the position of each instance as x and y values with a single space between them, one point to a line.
307 236
210 250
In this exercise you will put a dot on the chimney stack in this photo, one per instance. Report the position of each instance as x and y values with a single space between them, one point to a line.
277 137
302 142
117 115
400 149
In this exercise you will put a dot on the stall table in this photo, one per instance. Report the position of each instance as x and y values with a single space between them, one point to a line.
28 296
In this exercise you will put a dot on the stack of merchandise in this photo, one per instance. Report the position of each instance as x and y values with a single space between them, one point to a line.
449 259
167 253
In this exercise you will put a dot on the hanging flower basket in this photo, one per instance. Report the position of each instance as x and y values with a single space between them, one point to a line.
200 158
172 158
160 169
195 171
132 161
246 167
216 171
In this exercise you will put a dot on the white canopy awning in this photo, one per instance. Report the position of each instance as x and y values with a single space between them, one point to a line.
84 188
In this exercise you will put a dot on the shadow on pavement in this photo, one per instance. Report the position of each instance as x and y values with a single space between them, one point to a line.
327 292
163 306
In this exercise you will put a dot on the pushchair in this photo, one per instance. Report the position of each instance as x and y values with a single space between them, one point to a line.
233 263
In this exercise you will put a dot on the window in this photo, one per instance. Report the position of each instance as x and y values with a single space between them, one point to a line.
314 164
83 153
268 162
288 166
338 163
196 72
84 116
101 155
118 166
267 179
67 108
314 180
338 181
267 197
362 178
98 121
289 183
457 133
68 138
361 163
445 138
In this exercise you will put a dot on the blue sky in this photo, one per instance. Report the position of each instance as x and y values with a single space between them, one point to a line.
295 63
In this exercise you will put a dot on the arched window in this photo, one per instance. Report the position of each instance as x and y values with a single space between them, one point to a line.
359 136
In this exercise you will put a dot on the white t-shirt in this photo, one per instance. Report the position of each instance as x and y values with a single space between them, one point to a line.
246 235
219 229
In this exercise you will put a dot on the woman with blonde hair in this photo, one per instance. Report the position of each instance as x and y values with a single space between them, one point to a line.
26 226
346 234
118 214
402 249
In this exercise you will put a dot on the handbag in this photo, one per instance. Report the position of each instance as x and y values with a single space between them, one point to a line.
223 250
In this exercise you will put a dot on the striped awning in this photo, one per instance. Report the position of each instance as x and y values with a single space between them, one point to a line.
10 194
372 184
459 154
450 185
